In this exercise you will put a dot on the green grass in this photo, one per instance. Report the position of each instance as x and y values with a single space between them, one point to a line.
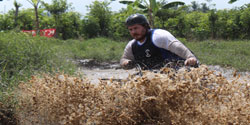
234 54
100 49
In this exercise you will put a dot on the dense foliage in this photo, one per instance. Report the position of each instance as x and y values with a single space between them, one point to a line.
195 21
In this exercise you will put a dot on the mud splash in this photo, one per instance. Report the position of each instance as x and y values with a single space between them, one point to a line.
198 96
187 97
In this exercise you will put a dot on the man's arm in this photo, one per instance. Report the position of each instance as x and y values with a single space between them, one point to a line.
166 40
181 50
127 55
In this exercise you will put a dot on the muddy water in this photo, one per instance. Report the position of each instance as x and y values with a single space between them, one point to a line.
230 73
96 72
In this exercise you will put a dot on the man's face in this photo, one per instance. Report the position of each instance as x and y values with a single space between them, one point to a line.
138 32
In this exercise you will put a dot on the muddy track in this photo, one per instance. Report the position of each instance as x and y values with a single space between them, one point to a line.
95 71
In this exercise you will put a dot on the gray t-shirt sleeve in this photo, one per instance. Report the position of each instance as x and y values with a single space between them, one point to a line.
128 54
164 39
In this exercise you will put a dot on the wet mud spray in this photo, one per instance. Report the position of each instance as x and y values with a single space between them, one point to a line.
198 96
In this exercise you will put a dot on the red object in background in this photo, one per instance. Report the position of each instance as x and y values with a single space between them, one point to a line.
48 32
44 32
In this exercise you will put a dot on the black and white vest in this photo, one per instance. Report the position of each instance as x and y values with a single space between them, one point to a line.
150 56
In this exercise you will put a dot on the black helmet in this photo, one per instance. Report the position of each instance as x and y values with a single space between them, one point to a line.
137 19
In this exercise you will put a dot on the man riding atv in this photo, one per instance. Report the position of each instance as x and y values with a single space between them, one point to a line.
151 47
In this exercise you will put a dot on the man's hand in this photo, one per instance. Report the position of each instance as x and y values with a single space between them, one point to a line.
192 61
128 64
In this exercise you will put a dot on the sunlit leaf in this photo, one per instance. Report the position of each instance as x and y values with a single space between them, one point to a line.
232 1
172 4
126 2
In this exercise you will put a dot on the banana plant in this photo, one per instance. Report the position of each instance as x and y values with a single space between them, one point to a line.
151 7
35 3
232 1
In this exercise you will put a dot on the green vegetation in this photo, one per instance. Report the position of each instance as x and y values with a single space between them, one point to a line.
100 49
193 22
234 54
22 56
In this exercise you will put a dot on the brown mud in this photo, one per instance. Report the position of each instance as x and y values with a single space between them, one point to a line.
187 97
96 71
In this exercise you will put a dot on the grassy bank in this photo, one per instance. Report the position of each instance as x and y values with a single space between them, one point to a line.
234 54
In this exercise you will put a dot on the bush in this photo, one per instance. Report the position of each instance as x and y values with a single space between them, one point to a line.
22 56
91 28
197 22
245 22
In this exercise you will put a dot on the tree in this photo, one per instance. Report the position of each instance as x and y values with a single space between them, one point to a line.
151 7
6 22
204 7
101 13
26 19
35 3
245 22
70 23
17 5
195 6
118 28
213 17
90 27
164 14
57 8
